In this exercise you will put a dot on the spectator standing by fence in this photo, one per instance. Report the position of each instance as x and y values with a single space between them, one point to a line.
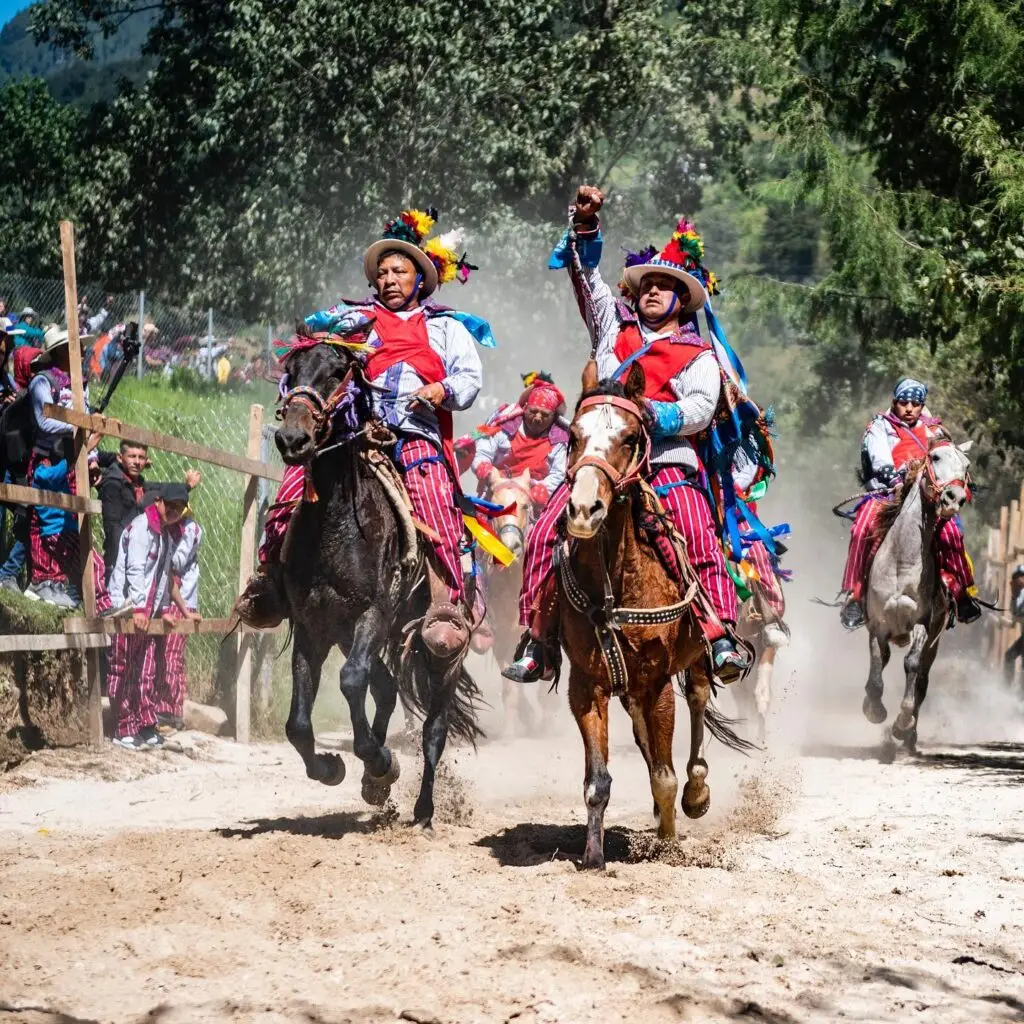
53 532
29 332
124 493
172 686
143 582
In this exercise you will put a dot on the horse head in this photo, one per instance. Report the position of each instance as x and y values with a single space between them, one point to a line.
946 480
608 447
511 527
318 379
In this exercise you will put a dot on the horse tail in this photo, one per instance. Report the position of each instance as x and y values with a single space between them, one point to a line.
723 729
420 691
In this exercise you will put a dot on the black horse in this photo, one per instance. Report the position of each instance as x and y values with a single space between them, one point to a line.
348 584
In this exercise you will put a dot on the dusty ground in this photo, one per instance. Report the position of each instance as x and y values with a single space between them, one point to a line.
220 884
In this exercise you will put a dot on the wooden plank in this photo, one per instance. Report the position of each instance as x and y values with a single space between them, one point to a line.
11 643
19 495
91 664
110 427
246 559
156 627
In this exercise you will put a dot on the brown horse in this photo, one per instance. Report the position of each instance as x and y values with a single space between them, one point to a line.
502 585
625 628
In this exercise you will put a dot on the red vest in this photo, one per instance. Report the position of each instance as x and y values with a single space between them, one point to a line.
911 444
406 341
528 453
665 359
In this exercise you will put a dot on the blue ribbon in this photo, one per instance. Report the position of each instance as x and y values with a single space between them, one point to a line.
720 340
477 326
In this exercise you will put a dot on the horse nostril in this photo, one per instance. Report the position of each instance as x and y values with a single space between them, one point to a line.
572 510
595 508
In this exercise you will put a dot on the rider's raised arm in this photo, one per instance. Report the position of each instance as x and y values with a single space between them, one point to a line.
464 373
697 389
595 299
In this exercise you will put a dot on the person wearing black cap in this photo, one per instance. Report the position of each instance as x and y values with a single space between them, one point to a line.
142 583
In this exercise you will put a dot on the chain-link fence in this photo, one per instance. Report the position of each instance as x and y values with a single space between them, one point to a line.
203 343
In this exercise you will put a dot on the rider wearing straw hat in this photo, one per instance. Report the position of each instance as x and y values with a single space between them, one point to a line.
656 328
892 440
423 364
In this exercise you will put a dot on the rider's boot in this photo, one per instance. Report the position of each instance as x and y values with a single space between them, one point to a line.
852 613
967 609
728 660
534 660
263 604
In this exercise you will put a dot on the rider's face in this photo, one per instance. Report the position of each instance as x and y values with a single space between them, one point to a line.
537 421
661 296
396 282
906 411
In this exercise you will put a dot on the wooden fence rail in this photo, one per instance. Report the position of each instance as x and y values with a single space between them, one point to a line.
1005 550
89 632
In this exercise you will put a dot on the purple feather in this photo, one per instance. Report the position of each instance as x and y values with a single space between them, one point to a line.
634 259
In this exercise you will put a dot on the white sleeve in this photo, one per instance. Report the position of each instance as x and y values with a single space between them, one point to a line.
136 563
556 466
41 394
464 373
698 389
491 449
878 444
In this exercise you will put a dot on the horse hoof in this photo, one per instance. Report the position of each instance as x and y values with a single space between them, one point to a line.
874 710
904 724
696 799
593 860
425 828
910 741
334 770
377 789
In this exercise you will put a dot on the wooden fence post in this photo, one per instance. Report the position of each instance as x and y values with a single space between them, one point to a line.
87 581
250 515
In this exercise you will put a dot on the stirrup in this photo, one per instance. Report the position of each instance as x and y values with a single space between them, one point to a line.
852 615
531 662
729 662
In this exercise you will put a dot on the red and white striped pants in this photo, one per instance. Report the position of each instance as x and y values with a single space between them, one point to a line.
949 550
431 491
135 664
171 685
769 586
691 515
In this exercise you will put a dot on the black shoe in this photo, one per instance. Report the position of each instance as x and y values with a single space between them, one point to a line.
729 662
150 737
852 615
531 662
967 609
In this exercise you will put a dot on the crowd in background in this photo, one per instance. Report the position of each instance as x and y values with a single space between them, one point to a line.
150 563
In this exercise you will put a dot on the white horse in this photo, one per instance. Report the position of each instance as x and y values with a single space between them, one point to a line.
906 602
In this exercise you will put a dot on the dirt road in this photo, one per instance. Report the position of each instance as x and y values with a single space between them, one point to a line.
220 884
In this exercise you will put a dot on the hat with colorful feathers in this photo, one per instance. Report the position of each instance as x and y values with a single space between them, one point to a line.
681 259
437 258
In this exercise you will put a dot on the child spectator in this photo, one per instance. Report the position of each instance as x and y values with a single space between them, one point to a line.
124 493
143 581
171 688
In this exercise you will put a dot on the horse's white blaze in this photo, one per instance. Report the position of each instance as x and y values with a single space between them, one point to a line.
949 466
600 428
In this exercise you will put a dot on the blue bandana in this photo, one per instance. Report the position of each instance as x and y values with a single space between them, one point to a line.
910 390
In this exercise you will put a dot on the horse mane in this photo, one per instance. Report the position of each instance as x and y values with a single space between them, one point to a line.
608 386
890 510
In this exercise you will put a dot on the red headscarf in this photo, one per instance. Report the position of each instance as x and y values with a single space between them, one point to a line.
543 395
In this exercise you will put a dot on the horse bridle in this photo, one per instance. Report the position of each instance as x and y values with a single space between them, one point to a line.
321 409
526 499
934 489
620 481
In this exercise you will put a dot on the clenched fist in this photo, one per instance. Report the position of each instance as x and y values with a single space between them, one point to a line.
589 200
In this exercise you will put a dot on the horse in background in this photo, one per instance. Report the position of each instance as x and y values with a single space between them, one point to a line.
906 604
626 628
501 586
353 572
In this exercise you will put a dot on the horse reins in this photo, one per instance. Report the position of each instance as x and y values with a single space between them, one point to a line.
620 481
321 409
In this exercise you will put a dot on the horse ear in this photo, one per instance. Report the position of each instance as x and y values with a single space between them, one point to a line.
590 377
966 446
636 383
